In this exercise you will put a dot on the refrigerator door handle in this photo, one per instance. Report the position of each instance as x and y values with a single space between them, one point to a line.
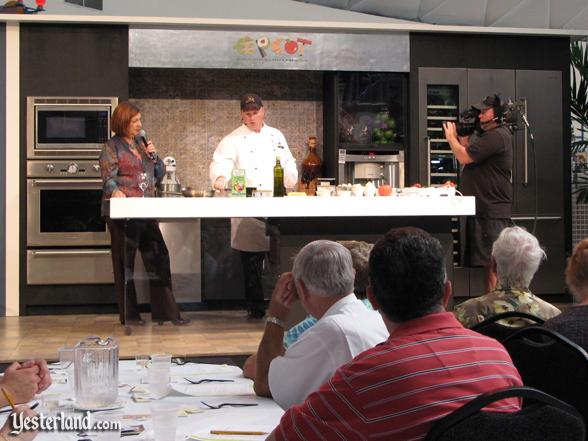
526 151
428 138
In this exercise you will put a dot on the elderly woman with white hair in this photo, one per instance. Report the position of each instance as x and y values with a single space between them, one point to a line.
573 322
516 256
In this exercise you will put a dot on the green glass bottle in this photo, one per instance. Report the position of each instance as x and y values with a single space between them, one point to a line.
279 190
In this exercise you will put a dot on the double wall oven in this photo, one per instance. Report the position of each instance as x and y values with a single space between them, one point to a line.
67 238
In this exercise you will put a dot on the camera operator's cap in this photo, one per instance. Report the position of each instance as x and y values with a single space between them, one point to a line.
487 103
251 101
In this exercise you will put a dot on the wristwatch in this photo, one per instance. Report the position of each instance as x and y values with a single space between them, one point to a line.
276 321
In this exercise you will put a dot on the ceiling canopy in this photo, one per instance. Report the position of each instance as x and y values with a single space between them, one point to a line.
539 14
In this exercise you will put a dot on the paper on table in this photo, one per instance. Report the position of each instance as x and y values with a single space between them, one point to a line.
207 436
243 387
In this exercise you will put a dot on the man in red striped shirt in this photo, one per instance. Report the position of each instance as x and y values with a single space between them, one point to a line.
430 366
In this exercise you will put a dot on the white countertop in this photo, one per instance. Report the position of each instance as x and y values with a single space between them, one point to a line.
292 206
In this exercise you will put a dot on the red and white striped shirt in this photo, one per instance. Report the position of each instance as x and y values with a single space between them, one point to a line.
428 368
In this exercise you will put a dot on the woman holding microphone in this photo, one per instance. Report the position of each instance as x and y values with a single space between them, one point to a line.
130 167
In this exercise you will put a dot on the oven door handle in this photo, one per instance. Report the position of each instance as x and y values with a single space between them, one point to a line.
52 182
69 252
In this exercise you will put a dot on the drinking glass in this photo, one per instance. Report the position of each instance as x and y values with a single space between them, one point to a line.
142 178
66 364
164 417
50 403
142 360
66 357
158 378
161 359
159 374
111 418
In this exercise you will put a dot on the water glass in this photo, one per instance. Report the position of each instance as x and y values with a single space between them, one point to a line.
66 364
66 357
161 359
50 403
113 419
142 360
164 417
159 378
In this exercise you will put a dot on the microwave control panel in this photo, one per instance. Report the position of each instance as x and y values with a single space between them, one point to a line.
63 169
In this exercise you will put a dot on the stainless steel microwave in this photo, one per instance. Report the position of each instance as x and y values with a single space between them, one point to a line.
68 127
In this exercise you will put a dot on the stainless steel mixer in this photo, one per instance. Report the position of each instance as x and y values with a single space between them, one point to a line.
170 185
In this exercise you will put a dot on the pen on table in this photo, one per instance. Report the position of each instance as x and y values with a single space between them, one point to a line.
8 398
237 432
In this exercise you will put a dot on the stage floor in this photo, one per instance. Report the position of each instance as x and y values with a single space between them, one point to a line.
211 333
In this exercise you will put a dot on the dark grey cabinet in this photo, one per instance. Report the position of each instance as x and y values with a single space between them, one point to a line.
549 279
538 170
543 92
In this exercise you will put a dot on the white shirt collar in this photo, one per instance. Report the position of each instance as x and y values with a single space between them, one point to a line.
338 306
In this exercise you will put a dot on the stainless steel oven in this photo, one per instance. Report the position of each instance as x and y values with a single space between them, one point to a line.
67 238
68 127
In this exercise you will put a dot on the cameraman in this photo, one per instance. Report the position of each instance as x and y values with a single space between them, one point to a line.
486 159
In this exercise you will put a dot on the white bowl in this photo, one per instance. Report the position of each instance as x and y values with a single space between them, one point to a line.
357 190
323 192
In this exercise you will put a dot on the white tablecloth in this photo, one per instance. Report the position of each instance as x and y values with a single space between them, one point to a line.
263 417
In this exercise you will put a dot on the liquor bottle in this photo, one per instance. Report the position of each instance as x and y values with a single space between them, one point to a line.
311 169
278 179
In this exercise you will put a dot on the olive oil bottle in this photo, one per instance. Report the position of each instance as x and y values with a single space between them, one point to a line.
279 190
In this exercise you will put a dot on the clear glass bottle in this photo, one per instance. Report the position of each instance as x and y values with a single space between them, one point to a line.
279 190
96 372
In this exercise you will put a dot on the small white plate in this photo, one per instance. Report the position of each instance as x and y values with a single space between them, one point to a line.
118 404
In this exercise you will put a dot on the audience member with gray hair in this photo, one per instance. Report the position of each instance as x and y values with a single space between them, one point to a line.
516 256
428 367
573 322
322 279
360 254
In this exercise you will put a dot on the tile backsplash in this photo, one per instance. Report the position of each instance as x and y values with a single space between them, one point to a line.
186 112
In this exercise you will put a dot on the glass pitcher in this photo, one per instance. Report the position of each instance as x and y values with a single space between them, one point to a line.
96 372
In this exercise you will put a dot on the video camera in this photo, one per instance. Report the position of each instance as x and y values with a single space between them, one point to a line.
468 122
511 113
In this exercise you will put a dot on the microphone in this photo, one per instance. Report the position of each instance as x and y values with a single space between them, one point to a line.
143 137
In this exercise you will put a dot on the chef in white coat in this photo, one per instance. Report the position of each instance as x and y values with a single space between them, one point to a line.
253 147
